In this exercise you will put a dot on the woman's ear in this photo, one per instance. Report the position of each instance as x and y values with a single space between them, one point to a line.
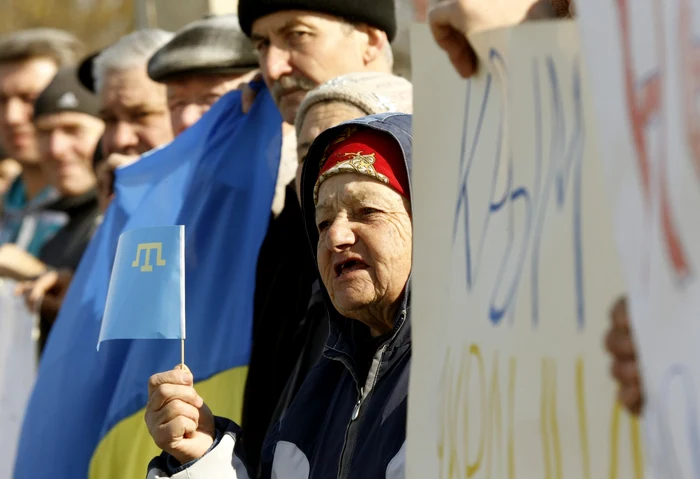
377 41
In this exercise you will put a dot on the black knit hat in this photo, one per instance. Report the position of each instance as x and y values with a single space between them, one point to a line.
66 93
380 14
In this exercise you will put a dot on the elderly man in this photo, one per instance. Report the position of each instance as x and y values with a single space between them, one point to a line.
29 59
133 107
349 419
302 44
204 61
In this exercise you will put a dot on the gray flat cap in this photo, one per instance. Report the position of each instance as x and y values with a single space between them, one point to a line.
213 45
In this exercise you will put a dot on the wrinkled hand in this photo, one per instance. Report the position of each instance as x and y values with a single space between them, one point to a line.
451 21
177 418
625 368
248 94
46 292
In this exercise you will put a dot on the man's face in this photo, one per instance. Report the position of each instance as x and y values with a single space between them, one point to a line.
300 50
191 96
67 143
318 119
20 84
135 113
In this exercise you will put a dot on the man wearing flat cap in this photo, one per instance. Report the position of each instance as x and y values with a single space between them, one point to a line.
204 61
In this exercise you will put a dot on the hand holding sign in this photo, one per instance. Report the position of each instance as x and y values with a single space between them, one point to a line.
451 21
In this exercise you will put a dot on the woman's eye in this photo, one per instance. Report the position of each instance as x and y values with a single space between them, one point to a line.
323 225
368 211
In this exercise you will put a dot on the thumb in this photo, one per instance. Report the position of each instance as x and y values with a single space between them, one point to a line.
184 367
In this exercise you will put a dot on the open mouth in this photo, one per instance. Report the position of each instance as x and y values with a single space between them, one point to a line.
348 266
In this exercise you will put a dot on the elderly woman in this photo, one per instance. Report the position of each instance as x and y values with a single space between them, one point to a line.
349 418
342 99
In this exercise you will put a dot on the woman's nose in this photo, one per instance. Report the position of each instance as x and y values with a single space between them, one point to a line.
340 235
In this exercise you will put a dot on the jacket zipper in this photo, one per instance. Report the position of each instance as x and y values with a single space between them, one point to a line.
355 419
352 430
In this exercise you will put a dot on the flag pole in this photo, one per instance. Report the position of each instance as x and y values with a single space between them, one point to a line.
182 354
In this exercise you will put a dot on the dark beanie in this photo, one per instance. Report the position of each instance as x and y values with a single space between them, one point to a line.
66 93
380 14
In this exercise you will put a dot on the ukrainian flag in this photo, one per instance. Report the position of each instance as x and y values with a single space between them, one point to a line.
85 417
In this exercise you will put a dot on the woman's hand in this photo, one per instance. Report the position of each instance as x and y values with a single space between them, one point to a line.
177 418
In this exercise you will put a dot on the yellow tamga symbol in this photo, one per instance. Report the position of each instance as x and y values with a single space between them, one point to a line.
147 247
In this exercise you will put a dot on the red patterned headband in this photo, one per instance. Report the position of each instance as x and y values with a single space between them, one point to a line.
366 152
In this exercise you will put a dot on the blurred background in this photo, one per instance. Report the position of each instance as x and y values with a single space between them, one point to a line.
101 22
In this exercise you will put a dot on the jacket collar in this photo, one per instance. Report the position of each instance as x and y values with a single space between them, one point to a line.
343 331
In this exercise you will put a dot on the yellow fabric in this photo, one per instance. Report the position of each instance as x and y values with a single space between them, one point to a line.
127 449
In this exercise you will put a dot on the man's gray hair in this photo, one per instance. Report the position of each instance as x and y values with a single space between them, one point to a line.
58 45
131 51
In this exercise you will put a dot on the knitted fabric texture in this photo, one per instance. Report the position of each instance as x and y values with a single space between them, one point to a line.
370 92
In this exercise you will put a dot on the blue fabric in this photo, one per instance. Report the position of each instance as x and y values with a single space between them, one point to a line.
223 171
146 296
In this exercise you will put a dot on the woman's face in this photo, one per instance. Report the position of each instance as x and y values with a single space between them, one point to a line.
364 247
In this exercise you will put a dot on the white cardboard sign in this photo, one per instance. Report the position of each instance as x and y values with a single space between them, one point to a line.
644 63
515 269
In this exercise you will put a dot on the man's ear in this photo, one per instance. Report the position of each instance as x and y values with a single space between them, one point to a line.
377 41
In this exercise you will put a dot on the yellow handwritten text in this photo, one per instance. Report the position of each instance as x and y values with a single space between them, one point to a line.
482 435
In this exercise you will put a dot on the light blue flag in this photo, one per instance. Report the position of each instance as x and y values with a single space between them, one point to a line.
146 296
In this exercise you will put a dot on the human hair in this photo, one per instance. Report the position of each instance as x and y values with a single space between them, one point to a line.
58 45
131 51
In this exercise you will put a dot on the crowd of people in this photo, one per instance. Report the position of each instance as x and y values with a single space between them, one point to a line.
326 393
